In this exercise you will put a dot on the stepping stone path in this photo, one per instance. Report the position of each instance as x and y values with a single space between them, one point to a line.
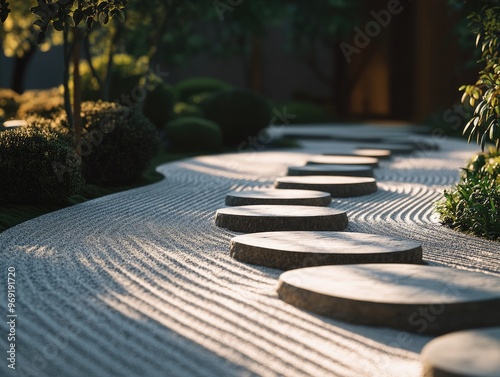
422 299
289 250
261 218
336 170
343 160
464 353
363 278
338 187
279 197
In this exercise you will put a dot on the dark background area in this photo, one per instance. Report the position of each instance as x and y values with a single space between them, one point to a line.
411 69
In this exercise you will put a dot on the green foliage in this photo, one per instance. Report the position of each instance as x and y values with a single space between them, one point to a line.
63 13
44 103
189 88
126 75
9 102
27 158
117 143
127 85
484 95
473 205
159 104
193 134
306 113
239 113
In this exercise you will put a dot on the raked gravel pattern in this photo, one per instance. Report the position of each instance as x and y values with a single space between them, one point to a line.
141 283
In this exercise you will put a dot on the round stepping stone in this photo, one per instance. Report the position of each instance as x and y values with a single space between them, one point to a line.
338 187
375 153
464 353
336 170
279 197
343 160
261 218
416 298
394 148
380 154
289 250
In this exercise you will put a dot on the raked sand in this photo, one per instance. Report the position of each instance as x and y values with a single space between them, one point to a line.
140 283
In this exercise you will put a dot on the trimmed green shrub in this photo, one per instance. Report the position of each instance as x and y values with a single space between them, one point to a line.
159 104
44 103
9 103
188 89
117 143
182 109
52 125
239 113
193 134
473 205
306 113
30 162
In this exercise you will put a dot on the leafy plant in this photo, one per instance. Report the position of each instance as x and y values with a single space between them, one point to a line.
473 205
307 113
27 157
484 95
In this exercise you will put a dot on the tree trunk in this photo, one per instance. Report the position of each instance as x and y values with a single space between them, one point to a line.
77 86
67 99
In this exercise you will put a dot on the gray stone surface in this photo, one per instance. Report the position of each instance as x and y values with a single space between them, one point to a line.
464 353
416 298
262 218
379 154
278 197
343 160
375 153
396 148
335 170
289 250
338 187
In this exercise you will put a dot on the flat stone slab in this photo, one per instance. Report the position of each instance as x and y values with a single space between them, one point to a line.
416 298
375 153
335 170
394 148
379 154
338 187
343 160
289 250
261 218
278 197
464 353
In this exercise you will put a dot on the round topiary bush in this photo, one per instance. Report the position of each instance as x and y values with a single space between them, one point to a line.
306 113
117 143
159 104
37 166
189 88
193 134
239 113
9 103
